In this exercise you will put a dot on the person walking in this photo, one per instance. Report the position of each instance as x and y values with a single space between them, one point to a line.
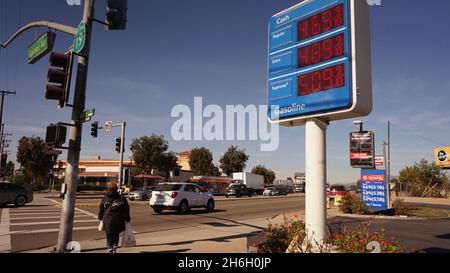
115 213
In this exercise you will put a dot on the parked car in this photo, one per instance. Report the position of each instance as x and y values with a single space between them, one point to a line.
181 197
14 194
142 194
238 190
299 188
337 190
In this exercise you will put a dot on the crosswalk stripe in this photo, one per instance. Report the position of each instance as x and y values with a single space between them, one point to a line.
5 238
31 210
45 217
53 230
50 223
37 213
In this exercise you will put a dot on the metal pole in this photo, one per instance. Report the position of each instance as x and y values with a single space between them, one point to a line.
389 165
73 156
122 150
316 176
385 155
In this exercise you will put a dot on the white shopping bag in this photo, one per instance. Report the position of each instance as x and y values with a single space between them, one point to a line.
128 239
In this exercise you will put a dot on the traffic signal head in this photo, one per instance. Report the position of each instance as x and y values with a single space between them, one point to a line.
94 130
116 14
118 144
4 162
59 77
56 135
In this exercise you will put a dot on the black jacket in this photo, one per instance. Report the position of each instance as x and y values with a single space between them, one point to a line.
115 212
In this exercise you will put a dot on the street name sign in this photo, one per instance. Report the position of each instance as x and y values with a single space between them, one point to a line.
319 63
87 115
442 157
80 38
362 150
374 189
41 47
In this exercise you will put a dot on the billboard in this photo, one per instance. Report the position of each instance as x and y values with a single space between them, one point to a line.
362 150
442 157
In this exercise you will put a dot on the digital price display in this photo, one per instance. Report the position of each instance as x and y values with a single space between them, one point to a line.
321 51
322 22
319 62
322 80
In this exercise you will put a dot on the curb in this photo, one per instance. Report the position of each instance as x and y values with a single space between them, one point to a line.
380 217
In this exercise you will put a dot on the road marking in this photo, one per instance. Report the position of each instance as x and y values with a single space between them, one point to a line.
37 213
51 223
45 217
5 238
53 230
33 211
77 209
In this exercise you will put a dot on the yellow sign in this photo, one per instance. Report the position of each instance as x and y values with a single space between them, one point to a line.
442 157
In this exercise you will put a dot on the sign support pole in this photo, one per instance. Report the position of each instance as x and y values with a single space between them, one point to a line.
316 180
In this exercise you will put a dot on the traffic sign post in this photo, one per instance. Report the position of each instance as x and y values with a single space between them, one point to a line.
319 70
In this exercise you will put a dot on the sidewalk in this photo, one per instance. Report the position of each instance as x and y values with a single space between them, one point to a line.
427 201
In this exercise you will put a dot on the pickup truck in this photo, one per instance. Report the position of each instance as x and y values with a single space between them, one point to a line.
238 190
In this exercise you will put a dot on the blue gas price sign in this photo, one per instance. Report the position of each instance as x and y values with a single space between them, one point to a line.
319 62
374 189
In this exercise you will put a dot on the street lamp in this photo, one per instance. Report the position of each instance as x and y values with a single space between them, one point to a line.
360 123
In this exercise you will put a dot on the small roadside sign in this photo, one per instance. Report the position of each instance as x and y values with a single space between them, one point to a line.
379 161
80 38
374 189
442 157
108 126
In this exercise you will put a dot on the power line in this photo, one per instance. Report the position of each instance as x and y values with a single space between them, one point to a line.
438 143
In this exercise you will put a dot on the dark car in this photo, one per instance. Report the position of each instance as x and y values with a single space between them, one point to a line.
14 194
238 190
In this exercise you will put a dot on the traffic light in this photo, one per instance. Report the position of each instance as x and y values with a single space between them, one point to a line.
4 162
59 77
118 144
116 14
94 129
56 135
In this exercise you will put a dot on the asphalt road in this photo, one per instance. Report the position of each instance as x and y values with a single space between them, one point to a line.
36 225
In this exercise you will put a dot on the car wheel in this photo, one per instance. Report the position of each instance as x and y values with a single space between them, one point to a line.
238 195
158 211
183 208
227 196
144 197
210 206
21 201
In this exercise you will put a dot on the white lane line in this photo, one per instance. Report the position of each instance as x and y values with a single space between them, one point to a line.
33 211
45 217
5 238
51 223
53 230
37 213
77 209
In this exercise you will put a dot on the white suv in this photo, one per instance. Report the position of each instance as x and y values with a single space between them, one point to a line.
181 197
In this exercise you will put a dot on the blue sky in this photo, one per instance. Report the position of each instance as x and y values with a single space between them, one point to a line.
174 50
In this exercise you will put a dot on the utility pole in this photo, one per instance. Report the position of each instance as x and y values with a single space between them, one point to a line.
3 93
389 163
73 156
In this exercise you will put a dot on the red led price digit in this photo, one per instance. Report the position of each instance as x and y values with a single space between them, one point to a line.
304 85
304 58
316 25
327 49
327 79
338 17
339 80
327 23
316 82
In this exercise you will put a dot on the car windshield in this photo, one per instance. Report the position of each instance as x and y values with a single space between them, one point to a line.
235 186
338 188
168 187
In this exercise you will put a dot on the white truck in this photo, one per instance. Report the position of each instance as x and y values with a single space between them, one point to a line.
252 181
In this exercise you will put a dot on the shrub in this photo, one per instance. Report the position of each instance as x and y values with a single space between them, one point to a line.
359 241
400 208
353 204
277 238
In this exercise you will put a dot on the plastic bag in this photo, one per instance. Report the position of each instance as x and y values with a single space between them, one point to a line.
128 239
101 226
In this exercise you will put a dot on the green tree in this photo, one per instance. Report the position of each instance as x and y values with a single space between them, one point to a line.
32 155
425 179
9 170
234 160
201 162
167 163
269 175
148 152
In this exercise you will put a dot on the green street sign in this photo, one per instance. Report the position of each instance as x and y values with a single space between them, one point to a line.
41 47
87 115
80 38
